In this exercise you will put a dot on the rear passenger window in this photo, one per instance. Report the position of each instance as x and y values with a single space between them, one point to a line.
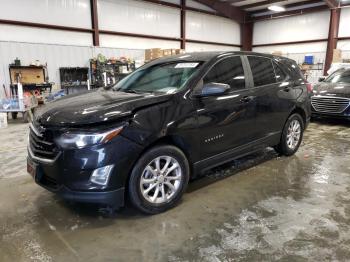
262 69
228 71
280 75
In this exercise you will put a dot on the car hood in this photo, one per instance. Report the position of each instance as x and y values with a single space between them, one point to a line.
332 89
94 107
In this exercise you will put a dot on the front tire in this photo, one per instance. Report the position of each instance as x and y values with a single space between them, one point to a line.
159 179
292 136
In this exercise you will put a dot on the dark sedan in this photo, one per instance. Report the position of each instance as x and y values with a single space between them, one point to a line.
331 97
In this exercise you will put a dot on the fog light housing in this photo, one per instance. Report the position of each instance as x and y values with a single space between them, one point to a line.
101 175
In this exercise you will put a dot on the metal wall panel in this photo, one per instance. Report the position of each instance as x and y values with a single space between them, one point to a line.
212 28
295 28
344 45
42 35
293 48
115 41
195 47
177 2
344 26
194 4
75 13
139 17
137 54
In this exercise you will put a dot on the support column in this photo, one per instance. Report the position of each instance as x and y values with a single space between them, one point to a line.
183 24
247 36
94 23
332 37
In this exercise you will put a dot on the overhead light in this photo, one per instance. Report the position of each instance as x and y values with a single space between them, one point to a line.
276 8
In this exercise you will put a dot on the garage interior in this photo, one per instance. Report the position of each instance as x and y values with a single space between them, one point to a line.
261 207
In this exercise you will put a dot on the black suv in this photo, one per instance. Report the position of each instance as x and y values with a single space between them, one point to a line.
145 137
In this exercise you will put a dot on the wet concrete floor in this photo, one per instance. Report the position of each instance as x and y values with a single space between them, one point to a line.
260 208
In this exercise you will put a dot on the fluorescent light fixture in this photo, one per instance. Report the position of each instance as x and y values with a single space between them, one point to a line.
276 8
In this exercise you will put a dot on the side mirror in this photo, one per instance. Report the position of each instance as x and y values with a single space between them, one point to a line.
321 79
213 89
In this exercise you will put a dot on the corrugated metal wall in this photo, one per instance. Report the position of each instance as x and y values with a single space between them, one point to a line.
55 56
60 48
296 28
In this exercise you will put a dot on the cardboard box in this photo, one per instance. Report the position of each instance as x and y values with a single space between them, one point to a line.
179 51
278 53
168 52
153 53
337 56
306 67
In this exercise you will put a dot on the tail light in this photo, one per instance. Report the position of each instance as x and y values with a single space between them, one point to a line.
309 87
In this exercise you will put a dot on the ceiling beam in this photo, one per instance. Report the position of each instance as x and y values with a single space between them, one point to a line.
294 5
291 13
332 37
183 24
247 36
94 23
267 2
234 1
332 3
226 9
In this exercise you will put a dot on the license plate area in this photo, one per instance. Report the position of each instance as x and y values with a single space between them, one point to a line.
31 168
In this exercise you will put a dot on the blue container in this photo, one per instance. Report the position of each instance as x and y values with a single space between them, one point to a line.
309 59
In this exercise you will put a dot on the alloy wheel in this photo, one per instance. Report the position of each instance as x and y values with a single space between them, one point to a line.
293 134
161 180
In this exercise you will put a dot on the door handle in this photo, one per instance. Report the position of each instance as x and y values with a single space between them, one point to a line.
286 89
247 99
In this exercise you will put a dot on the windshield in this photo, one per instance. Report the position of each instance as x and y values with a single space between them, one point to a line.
339 77
165 78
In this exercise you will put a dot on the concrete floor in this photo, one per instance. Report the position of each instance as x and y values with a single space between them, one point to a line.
260 208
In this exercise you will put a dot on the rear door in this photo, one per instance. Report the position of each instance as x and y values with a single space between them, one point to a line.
274 95
225 121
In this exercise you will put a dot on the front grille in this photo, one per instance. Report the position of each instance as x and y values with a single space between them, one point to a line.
41 143
335 105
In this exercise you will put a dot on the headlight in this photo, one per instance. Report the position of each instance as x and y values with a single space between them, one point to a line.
83 139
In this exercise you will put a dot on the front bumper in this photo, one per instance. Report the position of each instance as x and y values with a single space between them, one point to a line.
69 174
329 115
113 198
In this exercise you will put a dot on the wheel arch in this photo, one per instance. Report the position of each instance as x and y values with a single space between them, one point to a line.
300 111
172 140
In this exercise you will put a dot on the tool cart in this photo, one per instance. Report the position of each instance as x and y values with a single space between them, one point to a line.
18 101
33 78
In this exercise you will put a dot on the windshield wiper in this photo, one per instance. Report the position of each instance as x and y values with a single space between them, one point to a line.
130 91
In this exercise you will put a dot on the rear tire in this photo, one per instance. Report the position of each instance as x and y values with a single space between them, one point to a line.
25 117
14 115
159 179
292 136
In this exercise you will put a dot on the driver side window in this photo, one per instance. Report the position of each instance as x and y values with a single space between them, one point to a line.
228 71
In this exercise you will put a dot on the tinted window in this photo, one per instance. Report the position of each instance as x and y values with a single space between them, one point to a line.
165 78
339 77
280 75
262 69
228 71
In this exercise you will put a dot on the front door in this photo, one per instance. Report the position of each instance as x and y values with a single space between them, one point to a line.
225 122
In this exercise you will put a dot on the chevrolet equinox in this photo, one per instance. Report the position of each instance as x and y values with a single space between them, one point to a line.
165 123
